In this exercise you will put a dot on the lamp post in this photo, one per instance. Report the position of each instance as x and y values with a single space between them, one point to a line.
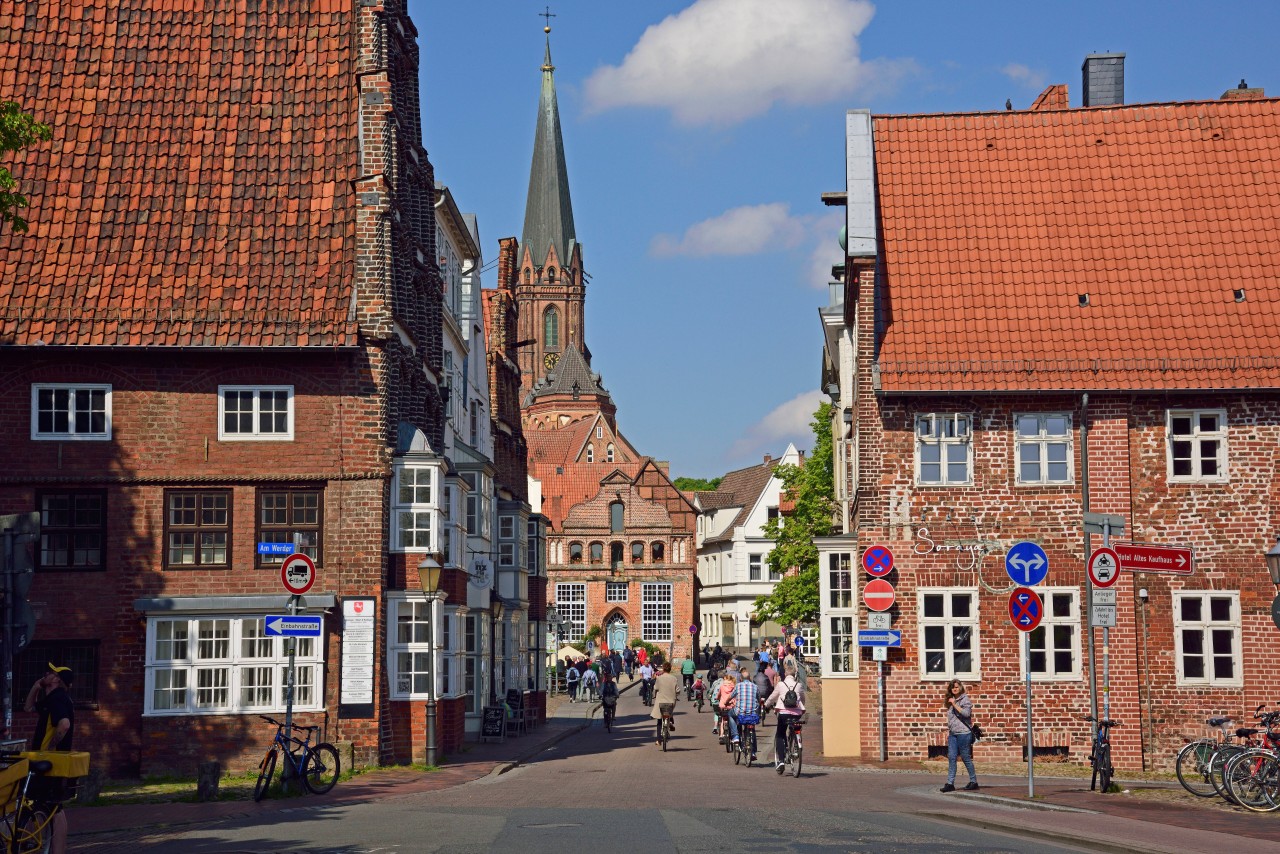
553 651
429 578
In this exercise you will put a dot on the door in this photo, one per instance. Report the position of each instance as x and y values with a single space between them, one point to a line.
617 635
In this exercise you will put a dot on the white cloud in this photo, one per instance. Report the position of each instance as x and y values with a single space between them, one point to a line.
722 61
1019 73
787 422
826 252
745 230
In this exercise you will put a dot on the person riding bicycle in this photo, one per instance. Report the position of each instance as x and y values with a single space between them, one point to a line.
646 682
608 695
665 689
687 670
789 687
745 702
699 689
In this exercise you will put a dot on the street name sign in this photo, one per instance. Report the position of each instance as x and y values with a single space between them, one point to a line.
892 637
280 625
1026 563
1146 557
1026 609
878 561
1102 616
1104 567
1104 596
879 622
878 594
297 573
275 548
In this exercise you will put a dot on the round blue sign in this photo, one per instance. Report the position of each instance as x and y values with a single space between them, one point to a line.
877 561
1026 563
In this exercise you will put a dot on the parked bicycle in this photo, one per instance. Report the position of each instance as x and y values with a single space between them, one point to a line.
1251 777
1194 762
1100 756
34 792
316 764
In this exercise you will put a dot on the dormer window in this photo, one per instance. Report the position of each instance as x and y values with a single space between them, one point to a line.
551 274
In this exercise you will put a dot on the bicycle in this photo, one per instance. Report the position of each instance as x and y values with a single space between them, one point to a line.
795 743
609 709
1251 776
646 692
664 730
317 764
1194 760
37 791
746 728
1100 756
699 698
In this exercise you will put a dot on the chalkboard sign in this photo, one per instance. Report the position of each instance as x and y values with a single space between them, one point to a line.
493 724
515 699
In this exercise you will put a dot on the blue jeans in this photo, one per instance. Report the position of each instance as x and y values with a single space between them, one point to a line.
960 744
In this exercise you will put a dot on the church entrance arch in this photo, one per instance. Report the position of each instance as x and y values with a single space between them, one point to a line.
616 630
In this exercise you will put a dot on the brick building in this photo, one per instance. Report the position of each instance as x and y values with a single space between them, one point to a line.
1046 312
619 536
224 329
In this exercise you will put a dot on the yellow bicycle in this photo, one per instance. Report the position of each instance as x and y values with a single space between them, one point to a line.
34 786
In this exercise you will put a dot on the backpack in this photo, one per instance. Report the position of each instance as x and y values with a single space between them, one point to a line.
790 699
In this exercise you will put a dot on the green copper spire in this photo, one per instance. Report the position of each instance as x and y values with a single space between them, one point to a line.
548 213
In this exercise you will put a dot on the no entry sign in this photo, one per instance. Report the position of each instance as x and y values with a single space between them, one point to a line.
878 594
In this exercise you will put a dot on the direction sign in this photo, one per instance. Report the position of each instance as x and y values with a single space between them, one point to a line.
1026 563
878 594
275 548
298 573
1146 557
878 561
1102 616
279 625
1026 609
892 637
879 621
1104 567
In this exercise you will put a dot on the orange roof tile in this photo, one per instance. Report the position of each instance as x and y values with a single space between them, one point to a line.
994 224
197 188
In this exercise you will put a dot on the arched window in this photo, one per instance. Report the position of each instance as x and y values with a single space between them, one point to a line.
637 552
657 552
615 555
575 552
597 552
551 274
608 453
615 517
591 453
551 328
528 275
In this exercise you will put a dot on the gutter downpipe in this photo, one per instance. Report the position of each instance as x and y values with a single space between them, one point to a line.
1084 485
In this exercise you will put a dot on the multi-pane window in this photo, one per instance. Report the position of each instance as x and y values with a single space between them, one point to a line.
410 647
73 529
479 520
506 554
755 567
591 453
843 641
655 612
551 328
571 603
70 412
416 512
1197 444
774 574
608 453
472 645
1055 643
840 580
289 516
475 423
204 665
1043 447
615 591
80 655
446 389
1206 628
948 633
506 527
840 653
197 528
255 412
943 449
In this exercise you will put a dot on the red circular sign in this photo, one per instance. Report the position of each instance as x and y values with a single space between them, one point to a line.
1104 567
297 573
878 561
878 594
1026 609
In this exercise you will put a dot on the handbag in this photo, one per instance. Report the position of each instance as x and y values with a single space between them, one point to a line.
978 734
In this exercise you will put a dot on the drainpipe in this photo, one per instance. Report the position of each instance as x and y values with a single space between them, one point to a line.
1084 490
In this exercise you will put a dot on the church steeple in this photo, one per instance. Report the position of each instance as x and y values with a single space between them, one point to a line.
548 212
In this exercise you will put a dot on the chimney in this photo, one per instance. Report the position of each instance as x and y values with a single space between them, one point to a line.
767 459
1244 92
1103 79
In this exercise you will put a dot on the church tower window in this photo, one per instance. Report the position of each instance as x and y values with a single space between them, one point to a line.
551 275
551 328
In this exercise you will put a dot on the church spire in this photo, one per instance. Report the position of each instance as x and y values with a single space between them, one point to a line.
548 212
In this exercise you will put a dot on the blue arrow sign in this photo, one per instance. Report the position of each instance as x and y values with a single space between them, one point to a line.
1026 563
275 548
888 637
279 625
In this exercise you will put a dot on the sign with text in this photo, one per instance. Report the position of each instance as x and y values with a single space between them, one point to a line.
1102 616
1104 596
879 638
279 625
1145 557
879 622
358 618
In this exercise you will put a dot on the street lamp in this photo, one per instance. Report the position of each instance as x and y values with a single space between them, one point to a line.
429 578
1273 563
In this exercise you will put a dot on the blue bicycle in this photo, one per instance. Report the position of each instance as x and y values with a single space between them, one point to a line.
1100 758
316 764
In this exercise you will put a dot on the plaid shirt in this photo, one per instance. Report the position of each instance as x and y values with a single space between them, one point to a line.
746 698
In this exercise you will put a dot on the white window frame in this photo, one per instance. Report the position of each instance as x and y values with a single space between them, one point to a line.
1206 626
838 588
571 603
939 424
432 647
1196 437
755 567
1048 622
255 435
71 435
652 607
235 666
948 621
611 589
431 508
1042 442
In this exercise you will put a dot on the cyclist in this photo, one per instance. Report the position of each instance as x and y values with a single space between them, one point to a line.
723 703
665 689
687 669
788 687
699 690
745 700
646 682
608 697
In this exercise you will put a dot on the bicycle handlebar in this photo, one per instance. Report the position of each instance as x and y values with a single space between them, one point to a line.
275 722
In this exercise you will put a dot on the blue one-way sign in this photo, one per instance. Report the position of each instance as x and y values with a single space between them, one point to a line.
887 637
279 625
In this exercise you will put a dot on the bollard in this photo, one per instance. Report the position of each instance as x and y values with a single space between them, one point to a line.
91 786
208 775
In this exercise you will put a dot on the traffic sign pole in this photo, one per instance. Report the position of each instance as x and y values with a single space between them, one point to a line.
1031 744
1106 639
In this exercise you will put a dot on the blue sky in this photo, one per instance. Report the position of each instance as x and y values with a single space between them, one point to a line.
699 136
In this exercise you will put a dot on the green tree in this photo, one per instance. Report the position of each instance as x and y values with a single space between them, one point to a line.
812 490
17 131
697 484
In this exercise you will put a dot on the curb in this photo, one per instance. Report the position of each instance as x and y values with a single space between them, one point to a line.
1055 837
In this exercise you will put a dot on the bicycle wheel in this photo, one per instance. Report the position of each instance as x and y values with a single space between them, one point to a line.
1218 767
796 754
737 752
265 769
748 750
320 769
1252 778
1103 760
666 734
1193 767
36 835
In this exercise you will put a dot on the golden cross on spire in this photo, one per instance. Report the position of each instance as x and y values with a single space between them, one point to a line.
548 14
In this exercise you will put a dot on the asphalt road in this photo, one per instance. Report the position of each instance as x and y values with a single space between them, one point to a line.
617 792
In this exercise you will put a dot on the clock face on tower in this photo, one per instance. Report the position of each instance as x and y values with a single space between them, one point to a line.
550 360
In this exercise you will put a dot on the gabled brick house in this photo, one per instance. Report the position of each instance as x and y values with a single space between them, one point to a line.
1045 312
223 329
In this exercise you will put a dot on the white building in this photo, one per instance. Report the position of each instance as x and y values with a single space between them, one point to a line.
733 552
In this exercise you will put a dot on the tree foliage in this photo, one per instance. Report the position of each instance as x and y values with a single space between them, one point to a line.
812 490
697 484
17 131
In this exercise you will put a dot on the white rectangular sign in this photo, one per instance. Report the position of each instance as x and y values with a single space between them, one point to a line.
358 620
1102 616
879 653
1104 596
879 622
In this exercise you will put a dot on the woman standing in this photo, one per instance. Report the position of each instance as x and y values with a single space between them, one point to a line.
959 711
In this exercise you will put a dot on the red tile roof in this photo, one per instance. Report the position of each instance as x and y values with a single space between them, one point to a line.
994 224
198 187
